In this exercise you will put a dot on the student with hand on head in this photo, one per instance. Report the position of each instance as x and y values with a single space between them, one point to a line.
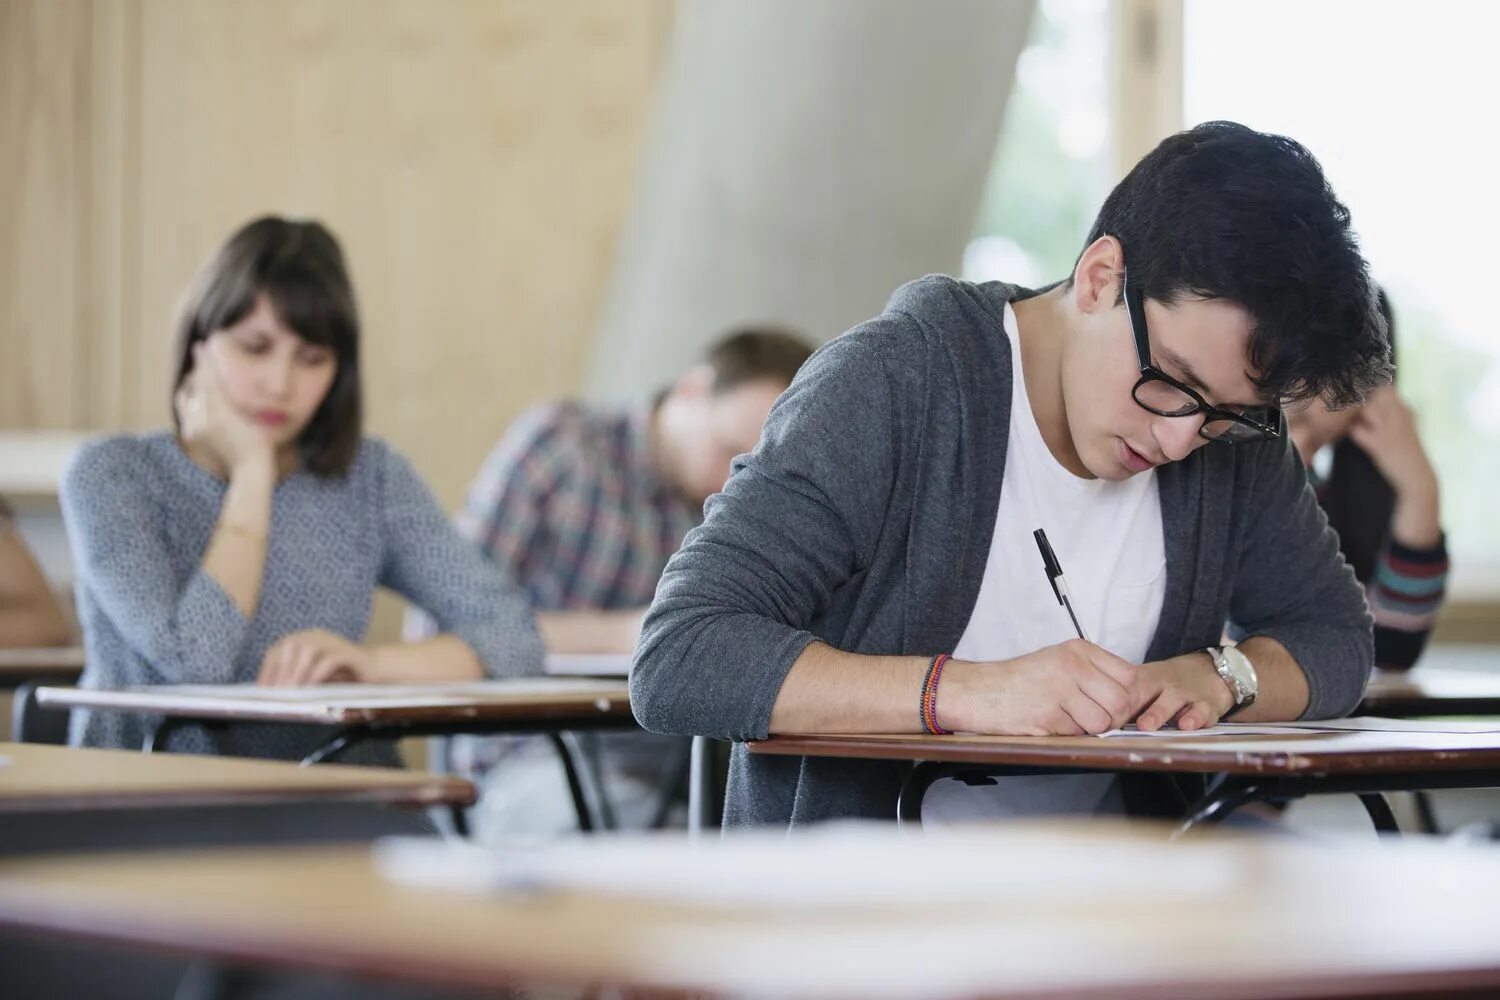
871 566
246 545
29 612
583 506
1381 496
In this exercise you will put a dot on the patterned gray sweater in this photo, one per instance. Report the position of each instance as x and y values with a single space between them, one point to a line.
140 515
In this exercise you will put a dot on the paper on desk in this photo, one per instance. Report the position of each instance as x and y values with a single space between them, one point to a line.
837 865
1222 729
1301 729
456 692
6 761
1378 725
588 665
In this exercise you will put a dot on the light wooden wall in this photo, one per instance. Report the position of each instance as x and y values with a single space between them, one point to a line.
476 158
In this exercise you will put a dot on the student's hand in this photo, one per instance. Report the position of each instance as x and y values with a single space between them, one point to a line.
1185 690
1387 431
208 420
315 656
1069 689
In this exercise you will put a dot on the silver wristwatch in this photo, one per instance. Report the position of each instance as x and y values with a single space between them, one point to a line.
1237 671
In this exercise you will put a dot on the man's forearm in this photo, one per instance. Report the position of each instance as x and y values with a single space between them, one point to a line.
1283 690
830 691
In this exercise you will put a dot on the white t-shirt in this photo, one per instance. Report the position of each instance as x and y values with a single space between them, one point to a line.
1108 538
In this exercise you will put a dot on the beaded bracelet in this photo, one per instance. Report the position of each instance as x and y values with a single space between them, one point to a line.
927 710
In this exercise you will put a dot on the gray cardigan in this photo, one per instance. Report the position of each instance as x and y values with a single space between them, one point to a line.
863 519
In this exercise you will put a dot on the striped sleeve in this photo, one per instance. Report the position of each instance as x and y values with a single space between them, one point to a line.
1405 593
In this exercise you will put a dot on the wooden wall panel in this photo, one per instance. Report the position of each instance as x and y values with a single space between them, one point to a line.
44 247
475 156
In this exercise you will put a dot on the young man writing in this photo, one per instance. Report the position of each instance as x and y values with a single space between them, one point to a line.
886 518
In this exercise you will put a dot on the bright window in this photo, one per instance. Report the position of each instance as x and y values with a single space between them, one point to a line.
1052 168
1396 100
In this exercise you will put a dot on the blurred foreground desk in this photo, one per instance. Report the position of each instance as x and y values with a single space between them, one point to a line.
1077 917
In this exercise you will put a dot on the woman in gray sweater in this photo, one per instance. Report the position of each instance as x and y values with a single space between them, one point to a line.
245 545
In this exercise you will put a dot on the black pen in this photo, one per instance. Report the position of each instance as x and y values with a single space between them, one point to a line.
1055 577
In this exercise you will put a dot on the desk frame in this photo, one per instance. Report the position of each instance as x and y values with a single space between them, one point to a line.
355 726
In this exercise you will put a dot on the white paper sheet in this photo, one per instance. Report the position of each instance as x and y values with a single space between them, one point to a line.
588 665
1222 729
355 695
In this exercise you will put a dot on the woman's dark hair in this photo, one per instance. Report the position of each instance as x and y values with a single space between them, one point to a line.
1357 498
1222 211
299 267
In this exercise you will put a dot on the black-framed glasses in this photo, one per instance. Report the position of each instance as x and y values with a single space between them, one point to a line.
1160 393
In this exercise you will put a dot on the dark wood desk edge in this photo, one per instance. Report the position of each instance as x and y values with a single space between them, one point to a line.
1409 704
13 677
581 707
1137 755
178 937
438 792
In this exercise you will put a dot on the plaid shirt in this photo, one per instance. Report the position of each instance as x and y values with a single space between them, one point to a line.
569 503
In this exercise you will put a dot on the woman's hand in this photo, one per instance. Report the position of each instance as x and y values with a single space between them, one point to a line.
208 421
315 656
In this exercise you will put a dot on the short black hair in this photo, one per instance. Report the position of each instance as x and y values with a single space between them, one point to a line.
757 353
1222 211
300 267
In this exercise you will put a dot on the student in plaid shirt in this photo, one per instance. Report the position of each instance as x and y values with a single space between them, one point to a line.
582 508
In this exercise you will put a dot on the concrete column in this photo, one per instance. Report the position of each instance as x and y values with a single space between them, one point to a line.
806 158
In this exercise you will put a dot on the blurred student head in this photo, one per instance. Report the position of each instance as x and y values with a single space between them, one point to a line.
272 315
715 411
1314 425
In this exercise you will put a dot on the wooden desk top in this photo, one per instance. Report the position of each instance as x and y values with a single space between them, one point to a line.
551 699
1308 921
39 777
1312 751
1432 691
53 664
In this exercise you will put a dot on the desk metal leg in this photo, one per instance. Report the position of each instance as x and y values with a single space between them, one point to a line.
459 815
1427 820
212 980
575 784
700 794
676 782
591 759
1380 812
914 789
1221 800
156 736
340 742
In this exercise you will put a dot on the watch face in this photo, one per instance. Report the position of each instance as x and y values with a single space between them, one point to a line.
1242 672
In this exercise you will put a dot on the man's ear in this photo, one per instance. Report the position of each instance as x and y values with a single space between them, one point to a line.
1096 278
